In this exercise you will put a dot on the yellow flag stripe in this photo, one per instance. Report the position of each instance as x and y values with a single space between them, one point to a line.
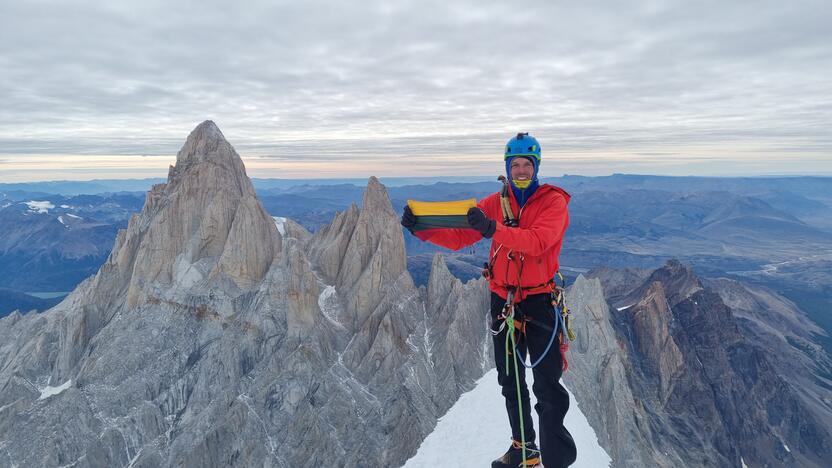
445 208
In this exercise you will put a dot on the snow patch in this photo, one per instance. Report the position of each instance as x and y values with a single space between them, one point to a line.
743 463
73 216
61 220
486 434
39 206
787 448
52 391
186 274
280 223
65 206
328 303
624 308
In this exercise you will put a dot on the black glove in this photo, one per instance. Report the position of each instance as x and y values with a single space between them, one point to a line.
479 221
408 219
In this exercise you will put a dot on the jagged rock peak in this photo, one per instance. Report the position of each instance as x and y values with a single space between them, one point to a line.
204 140
362 253
675 265
376 199
440 281
202 230
207 144
374 183
438 264
679 280
598 375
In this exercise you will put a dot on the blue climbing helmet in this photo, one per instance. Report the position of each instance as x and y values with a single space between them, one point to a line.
523 145
526 146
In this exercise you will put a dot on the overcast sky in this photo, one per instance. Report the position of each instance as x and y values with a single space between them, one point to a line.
326 89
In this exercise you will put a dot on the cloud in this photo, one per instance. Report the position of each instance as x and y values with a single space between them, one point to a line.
329 80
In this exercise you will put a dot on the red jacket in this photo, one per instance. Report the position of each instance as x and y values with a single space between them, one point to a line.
535 244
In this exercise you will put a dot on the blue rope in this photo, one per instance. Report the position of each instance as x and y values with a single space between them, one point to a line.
558 322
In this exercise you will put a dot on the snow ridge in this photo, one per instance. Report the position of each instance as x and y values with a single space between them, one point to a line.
476 431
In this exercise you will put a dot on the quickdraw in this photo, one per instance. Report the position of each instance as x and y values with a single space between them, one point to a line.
559 302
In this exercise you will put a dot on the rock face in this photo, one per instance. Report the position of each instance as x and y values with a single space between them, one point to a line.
598 377
211 339
777 326
203 227
362 250
680 384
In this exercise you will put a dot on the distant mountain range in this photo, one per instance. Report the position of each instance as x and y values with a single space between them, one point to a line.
810 186
739 227
102 186
53 242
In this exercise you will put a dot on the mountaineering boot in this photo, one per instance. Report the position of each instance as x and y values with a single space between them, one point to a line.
513 458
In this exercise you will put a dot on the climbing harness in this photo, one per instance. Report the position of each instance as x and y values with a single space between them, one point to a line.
561 321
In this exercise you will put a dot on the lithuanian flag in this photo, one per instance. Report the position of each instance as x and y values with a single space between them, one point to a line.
446 214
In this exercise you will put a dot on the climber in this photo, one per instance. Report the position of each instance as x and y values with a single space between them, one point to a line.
523 261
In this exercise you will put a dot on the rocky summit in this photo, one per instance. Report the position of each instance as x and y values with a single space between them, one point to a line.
208 338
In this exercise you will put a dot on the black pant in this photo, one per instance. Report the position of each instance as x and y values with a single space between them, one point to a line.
556 445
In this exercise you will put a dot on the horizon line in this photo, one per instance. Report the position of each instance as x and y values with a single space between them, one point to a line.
439 179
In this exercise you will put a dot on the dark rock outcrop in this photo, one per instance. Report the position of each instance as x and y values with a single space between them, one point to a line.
701 393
